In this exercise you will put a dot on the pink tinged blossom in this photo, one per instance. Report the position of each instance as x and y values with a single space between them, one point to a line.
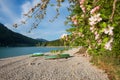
111 33
83 9
81 1
97 37
91 23
73 17
99 19
106 31
75 22
91 28
95 19
109 30
108 45
95 9
96 33
99 41
82 5
92 11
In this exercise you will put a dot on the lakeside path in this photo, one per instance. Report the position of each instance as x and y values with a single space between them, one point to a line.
37 68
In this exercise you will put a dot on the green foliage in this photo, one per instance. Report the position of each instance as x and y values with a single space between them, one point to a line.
51 43
105 49
55 43
83 26
116 47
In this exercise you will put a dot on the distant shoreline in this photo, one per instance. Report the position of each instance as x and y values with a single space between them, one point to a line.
18 51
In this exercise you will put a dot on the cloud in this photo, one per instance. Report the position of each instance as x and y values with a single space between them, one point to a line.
7 15
25 7
35 2
5 9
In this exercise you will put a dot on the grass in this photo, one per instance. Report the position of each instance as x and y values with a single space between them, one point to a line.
59 51
108 62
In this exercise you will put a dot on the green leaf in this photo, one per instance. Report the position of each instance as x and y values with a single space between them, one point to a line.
101 31
89 7
104 16
81 30
105 39
104 25
114 24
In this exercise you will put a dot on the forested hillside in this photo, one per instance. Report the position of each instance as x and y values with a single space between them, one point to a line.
10 38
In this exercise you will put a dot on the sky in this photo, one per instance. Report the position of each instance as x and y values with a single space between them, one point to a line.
11 11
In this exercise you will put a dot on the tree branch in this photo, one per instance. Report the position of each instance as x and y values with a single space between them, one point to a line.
113 10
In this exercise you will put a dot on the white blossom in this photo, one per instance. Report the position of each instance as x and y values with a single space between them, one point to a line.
74 19
99 42
75 22
91 28
96 33
106 31
63 36
108 45
82 5
109 30
95 19
97 37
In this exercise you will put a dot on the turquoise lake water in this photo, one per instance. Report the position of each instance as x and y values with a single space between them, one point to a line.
6 52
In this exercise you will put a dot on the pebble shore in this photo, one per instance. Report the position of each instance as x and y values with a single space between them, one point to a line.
37 68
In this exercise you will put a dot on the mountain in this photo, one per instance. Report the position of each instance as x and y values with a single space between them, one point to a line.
10 38
57 42
42 40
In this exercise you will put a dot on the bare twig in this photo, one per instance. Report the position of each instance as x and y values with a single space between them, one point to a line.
113 10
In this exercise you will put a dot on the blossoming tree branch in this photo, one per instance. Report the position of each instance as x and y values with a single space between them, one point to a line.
94 22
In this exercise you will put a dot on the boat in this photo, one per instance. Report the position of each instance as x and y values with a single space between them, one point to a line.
58 56
37 54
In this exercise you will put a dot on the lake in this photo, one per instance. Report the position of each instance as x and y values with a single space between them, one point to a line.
6 52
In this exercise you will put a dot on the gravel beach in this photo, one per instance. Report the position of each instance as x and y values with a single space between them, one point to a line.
37 68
